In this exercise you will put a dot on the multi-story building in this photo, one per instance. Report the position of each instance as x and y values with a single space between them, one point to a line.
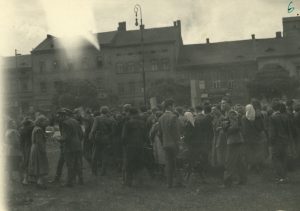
224 68
17 80
211 69
115 68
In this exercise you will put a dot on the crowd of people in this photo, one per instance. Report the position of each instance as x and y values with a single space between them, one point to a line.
169 142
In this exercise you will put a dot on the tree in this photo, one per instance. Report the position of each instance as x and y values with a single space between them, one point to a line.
169 88
272 81
76 93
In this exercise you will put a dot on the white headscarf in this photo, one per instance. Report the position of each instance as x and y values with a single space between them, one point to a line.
250 112
189 117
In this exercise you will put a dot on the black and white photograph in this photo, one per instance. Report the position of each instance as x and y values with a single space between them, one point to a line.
150 105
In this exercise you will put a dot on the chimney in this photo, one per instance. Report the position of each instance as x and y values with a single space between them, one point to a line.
207 40
142 26
122 26
178 24
278 34
253 36
175 23
49 36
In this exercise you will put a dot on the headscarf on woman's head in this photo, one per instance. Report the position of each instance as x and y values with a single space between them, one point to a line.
250 112
189 117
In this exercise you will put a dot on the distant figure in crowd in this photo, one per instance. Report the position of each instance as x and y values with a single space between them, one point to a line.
25 139
254 133
134 140
170 134
101 133
155 137
72 136
13 150
235 163
38 160
280 135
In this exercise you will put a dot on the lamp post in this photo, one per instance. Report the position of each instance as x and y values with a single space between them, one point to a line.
18 87
138 9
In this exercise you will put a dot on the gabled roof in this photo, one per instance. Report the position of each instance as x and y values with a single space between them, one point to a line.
118 38
237 51
21 61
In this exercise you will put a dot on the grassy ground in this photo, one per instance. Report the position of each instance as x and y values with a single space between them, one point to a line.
107 193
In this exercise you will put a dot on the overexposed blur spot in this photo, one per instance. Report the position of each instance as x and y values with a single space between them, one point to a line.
69 20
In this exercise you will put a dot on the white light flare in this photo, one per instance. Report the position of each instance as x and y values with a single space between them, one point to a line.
69 20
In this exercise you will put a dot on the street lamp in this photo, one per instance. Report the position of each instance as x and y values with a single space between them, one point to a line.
138 8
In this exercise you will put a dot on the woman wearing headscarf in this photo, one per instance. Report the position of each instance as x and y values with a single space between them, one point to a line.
38 160
255 137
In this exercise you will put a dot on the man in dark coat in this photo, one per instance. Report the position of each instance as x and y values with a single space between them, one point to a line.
134 138
72 137
170 136
204 136
102 133
280 135
25 139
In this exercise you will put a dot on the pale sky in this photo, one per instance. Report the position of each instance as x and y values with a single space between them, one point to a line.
25 23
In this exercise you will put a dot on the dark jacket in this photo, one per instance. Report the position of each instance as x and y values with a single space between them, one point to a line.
234 132
134 132
253 131
280 131
204 129
103 129
72 135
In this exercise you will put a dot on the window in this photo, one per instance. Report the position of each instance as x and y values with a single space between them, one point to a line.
55 65
231 84
154 66
70 66
131 86
84 63
121 89
130 67
99 61
58 86
119 67
216 84
201 84
99 83
43 87
42 66
165 64
24 86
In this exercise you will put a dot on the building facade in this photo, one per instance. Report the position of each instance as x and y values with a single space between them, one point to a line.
115 66
224 68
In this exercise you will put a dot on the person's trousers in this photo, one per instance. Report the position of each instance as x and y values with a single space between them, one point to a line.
100 155
235 164
60 165
279 160
133 161
74 165
170 168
